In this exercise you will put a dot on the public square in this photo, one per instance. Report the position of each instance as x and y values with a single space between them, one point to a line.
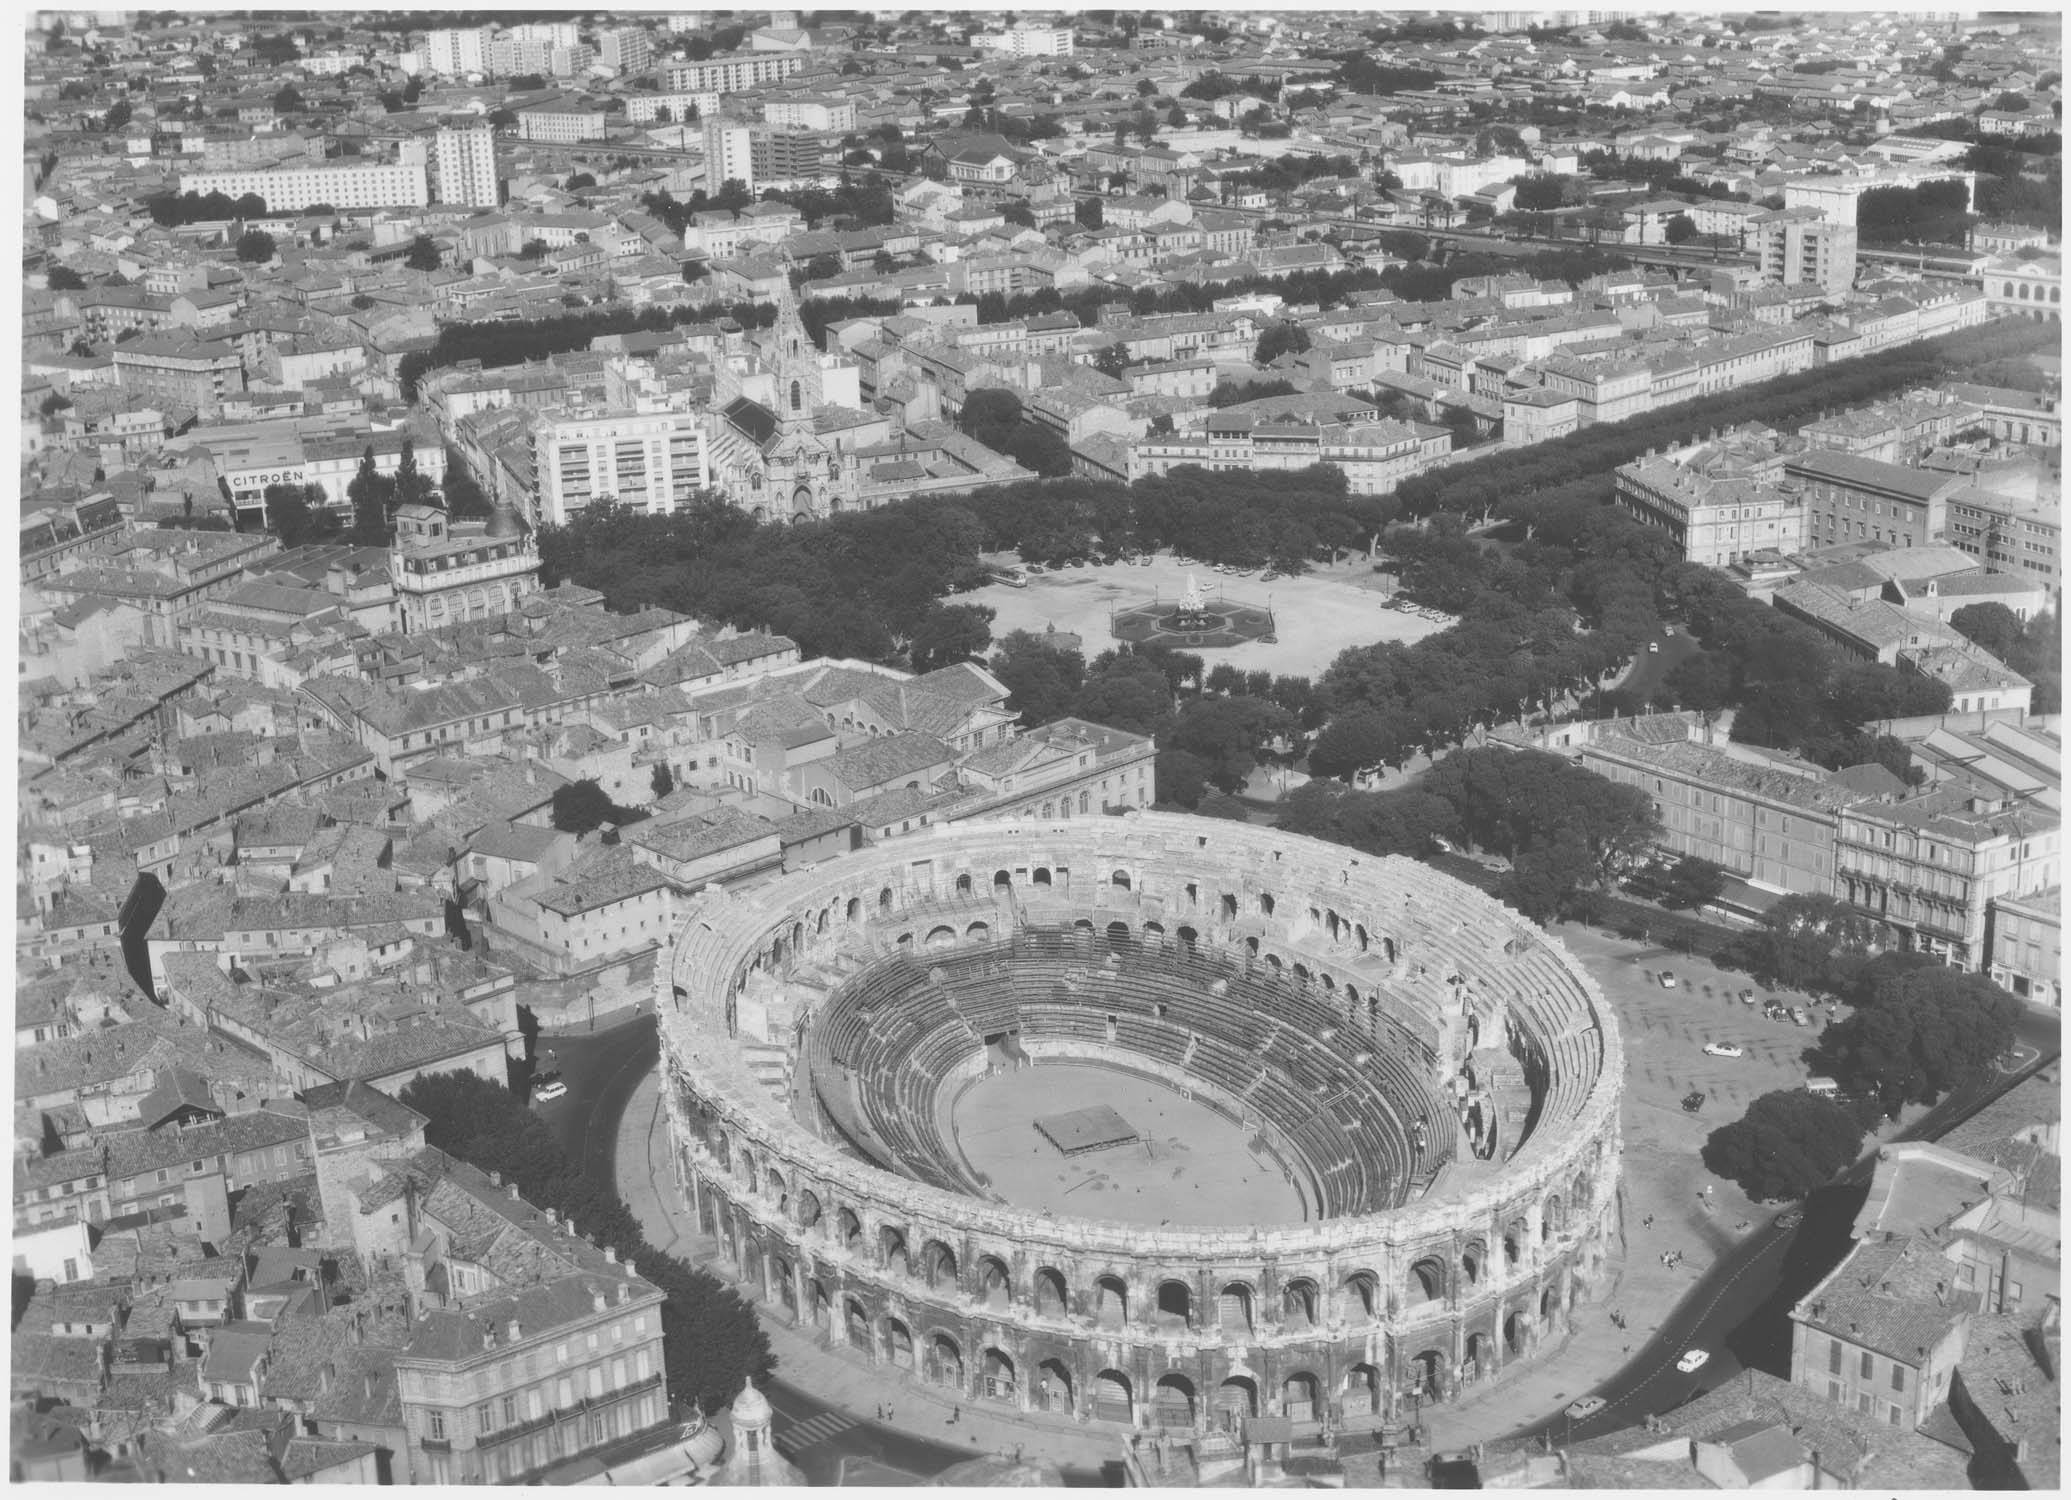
1316 615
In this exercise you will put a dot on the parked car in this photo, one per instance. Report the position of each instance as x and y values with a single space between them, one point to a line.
1667 980
552 1088
1790 1218
1268 576
1692 1361
1799 1018
1693 1101
1653 648
1723 1049
1588 1406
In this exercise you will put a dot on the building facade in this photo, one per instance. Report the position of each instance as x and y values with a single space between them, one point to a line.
651 462
441 578
398 184
1851 499
463 166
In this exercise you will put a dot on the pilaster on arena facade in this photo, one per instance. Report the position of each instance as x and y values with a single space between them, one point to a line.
1437 1078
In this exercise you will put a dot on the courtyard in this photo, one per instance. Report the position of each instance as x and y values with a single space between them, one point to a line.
1315 616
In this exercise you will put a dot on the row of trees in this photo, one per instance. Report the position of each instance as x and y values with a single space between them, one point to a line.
712 1345
864 585
1211 728
1569 833
1510 483
1919 1029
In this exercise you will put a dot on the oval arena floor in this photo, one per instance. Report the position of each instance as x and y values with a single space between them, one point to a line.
1189 1165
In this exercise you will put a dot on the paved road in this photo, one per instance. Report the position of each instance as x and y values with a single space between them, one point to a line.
1739 1312
830 1445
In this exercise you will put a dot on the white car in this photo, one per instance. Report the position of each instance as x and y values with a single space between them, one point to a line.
1722 1049
1667 980
1588 1406
1692 1361
553 1088
1654 648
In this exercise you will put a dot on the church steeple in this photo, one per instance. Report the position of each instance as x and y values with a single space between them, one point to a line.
796 362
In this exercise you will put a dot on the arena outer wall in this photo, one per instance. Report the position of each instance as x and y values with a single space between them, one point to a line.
1347 1322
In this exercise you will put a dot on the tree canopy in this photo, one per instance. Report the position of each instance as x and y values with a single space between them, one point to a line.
1788 1143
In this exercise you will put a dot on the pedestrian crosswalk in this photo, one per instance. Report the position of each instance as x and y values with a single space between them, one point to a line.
803 1435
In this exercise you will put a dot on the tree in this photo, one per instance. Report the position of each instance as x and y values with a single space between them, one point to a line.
255 247
1278 339
533 250
1694 882
370 493
1787 1144
423 254
464 497
118 115
1919 1030
1182 779
412 485
581 806
1042 679
823 267
577 181
289 512
1355 742
287 100
1176 117
1227 734
951 633
1992 626
1680 227
990 415
65 279
663 781
1088 212
1126 690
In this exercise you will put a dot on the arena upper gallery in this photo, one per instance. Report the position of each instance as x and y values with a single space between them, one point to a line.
871 1068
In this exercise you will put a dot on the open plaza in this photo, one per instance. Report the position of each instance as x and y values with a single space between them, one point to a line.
1315 616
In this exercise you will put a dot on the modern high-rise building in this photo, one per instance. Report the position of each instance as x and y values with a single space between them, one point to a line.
649 462
1026 41
729 75
625 48
397 184
454 52
463 166
729 154
1804 246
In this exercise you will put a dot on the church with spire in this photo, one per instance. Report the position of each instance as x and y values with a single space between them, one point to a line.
765 450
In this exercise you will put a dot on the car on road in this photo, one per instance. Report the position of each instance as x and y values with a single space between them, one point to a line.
1667 980
549 1088
1723 1049
1588 1406
1692 1361
1653 648
1268 576
1790 1218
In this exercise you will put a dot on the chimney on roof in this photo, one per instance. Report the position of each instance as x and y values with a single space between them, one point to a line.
512 1189
596 1299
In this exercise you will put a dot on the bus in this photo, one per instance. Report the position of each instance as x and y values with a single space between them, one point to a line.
1013 578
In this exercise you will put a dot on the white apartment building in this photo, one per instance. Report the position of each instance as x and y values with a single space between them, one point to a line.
454 52
730 75
626 49
646 109
400 184
810 114
650 462
463 166
729 154
1026 41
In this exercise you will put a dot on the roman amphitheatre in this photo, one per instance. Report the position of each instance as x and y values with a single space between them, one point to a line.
1147 1120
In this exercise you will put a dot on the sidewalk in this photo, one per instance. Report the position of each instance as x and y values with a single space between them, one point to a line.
645 1182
